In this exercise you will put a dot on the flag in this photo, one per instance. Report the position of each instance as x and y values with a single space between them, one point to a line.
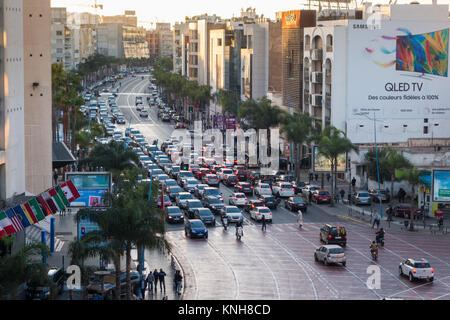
56 199
38 213
5 223
30 214
2 232
70 190
22 216
45 207
17 225
62 196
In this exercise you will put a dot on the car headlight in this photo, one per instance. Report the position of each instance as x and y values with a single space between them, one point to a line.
170 217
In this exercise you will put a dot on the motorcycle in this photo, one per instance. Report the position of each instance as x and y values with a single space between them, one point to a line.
374 254
225 223
239 233
380 241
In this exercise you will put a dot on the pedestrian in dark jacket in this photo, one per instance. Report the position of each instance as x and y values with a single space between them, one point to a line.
156 276
263 223
150 280
162 282
178 279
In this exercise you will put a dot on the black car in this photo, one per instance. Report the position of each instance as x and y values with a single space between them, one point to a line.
244 187
213 203
195 228
270 201
41 291
295 204
205 215
230 180
174 214
191 205
333 235
254 204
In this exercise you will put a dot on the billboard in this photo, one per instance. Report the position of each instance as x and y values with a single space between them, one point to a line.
290 19
92 186
441 185
398 70
322 164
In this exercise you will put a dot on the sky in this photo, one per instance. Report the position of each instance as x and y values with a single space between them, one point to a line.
176 10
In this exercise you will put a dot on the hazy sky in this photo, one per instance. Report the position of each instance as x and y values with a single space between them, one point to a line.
176 10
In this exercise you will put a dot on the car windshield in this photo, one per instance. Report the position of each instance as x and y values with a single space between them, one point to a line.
166 198
176 190
240 196
186 196
195 204
284 185
298 200
174 210
269 199
204 212
187 174
233 210
337 231
422 265
264 210
336 250
264 186
192 182
232 177
214 201
212 192
324 193
197 224
170 183
363 194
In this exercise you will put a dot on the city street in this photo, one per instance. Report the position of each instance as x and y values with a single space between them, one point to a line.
279 263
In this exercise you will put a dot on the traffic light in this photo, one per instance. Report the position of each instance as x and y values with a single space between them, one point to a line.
191 109
184 167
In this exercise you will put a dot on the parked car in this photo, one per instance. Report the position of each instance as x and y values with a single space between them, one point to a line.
269 200
195 228
385 197
295 204
191 205
333 235
244 187
263 188
233 213
257 213
360 197
329 254
283 189
416 270
254 203
402 210
211 180
230 180
205 215
174 214
238 199
321 196
213 203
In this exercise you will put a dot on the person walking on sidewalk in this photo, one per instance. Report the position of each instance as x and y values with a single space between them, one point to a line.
55 177
376 220
300 219
150 280
389 212
156 276
162 281
263 222
342 192
353 183
178 279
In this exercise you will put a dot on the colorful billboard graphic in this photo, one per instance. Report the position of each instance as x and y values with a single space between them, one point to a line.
423 53
92 186
441 185
322 164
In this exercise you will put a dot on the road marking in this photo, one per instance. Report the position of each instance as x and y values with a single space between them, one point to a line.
295 229
277 228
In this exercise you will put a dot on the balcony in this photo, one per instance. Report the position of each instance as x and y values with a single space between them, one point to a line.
306 96
329 48
306 76
317 113
316 54
316 77
316 100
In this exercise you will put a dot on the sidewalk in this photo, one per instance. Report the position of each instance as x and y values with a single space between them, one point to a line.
66 231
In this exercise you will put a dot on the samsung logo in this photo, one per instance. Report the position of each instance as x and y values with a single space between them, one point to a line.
360 26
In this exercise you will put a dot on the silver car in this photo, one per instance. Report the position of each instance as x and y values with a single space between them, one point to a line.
330 254
233 213
361 197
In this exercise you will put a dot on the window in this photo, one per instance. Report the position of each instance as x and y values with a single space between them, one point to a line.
59 33
425 120
425 130
249 42
219 42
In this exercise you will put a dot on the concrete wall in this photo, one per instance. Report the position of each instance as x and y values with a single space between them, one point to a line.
12 167
38 101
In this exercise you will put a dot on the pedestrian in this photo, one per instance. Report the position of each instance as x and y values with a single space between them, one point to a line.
150 279
342 192
328 177
389 212
55 177
178 279
441 222
143 288
353 183
310 197
316 176
156 276
300 219
162 282
263 222
311 177
376 220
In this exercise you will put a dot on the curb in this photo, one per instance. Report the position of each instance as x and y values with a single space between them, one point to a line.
355 220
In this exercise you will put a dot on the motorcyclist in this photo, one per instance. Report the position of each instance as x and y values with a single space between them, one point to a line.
373 247
380 235
239 225
224 220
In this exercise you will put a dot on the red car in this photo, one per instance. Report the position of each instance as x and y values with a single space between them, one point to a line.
194 168
402 210
167 202
321 196
200 173
180 125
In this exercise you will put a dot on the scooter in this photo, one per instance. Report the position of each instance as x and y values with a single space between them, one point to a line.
380 241
374 254
239 233
225 224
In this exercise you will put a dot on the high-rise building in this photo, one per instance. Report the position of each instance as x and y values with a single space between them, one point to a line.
61 38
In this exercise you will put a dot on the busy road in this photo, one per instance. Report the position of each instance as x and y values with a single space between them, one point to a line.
279 263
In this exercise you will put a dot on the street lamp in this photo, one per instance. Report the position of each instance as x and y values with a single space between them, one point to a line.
376 153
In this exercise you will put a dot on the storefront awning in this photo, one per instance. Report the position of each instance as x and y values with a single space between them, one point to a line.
61 155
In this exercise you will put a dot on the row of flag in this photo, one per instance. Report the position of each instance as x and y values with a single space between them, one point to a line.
53 200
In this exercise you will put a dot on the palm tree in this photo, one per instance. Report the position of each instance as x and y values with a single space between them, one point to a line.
228 100
260 114
298 129
21 267
396 161
331 143
412 176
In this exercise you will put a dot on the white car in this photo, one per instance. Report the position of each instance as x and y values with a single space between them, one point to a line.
224 172
416 269
258 212
238 199
330 254
263 188
283 189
